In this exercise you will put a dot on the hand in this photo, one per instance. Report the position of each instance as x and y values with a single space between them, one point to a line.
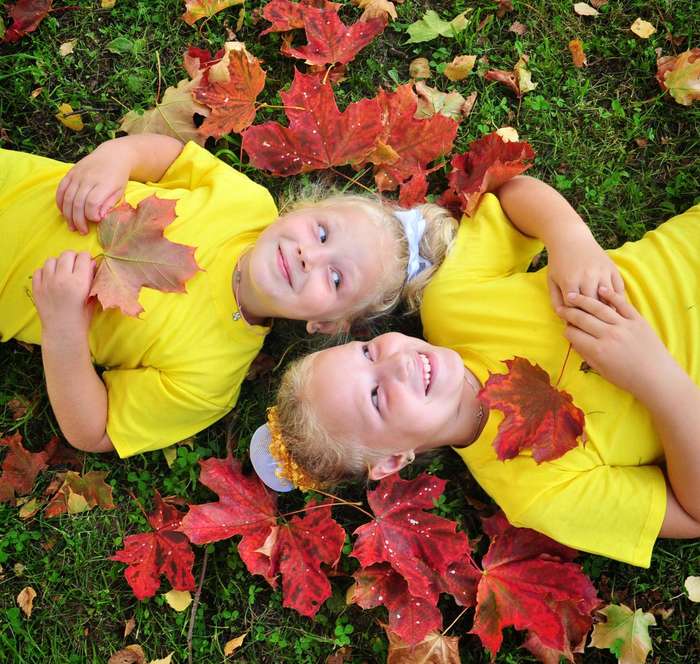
578 264
93 186
616 340
60 289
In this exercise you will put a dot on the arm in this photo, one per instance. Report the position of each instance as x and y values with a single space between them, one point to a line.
618 343
98 181
577 263
77 395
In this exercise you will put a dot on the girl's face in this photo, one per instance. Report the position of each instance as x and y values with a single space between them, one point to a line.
394 393
317 264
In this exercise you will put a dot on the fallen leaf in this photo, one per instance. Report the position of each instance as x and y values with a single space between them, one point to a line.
69 118
625 633
78 493
286 15
20 468
25 600
692 585
450 104
599 3
504 6
132 654
376 9
197 9
67 47
419 69
583 9
518 28
319 136
508 134
577 53
642 28
129 626
173 116
680 75
234 644
36 92
519 80
108 4
26 16
170 453
431 26
340 656
29 509
163 551
537 416
435 648
18 569
330 40
137 254
576 627
163 660
178 600
469 104
460 67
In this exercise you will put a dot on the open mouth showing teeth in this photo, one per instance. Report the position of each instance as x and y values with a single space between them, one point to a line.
426 371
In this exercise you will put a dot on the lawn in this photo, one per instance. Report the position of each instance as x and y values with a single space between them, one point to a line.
625 155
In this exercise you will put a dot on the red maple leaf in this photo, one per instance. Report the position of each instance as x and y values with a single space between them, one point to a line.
415 543
196 60
136 254
319 135
537 415
26 16
489 162
529 582
164 551
330 40
20 468
231 94
297 550
286 15
91 488
408 144
245 506
412 618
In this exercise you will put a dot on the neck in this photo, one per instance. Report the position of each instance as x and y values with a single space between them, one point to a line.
242 292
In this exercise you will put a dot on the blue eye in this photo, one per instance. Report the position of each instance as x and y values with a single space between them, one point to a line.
375 398
322 234
335 276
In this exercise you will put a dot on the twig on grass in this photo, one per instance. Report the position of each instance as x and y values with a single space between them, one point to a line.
195 604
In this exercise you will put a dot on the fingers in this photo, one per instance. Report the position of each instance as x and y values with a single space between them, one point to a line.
84 264
110 202
582 342
555 295
618 283
619 301
96 201
599 310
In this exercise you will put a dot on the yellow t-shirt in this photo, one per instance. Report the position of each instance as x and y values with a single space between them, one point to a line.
178 367
609 495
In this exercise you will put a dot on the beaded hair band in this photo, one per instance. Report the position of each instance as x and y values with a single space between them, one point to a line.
273 462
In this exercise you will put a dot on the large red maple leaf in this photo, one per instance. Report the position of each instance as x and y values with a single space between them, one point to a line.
408 144
230 96
136 254
489 162
26 16
164 551
330 40
416 543
529 582
537 416
20 468
319 135
287 15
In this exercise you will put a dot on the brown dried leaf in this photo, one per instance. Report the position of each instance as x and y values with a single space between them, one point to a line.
129 626
583 9
234 644
518 28
25 600
132 654
419 69
460 67
435 648
577 53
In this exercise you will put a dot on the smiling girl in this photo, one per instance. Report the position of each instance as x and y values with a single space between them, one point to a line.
636 476
179 366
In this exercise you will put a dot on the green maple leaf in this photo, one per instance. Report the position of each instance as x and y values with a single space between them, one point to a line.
625 633
431 26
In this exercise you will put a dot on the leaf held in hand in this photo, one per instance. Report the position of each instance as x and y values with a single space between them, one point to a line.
537 416
625 633
136 254
197 9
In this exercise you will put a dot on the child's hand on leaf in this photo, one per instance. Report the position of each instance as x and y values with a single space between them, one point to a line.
615 340
582 267
92 187
60 289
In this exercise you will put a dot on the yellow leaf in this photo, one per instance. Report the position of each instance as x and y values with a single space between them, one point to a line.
524 75
164 660
178 599
69 118
29 509
460 67
197 9
108 4
234 644
75 502
582 9
625 633
692 585
508 134
132 654
642 28
25 600
66 48
170 454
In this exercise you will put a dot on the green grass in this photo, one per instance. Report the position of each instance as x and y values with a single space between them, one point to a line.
584 125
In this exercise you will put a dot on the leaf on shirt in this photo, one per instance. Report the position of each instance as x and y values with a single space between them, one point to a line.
75 493
137 254
680 75
625 633
197 9
537 416
489 162
26 16
163 551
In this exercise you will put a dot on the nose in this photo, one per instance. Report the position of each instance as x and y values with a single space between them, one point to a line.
396 366
309 256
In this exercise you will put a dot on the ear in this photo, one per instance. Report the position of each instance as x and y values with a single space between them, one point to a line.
327 326
390 464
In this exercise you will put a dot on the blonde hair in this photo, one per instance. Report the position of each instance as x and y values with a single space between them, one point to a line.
325 459
440 232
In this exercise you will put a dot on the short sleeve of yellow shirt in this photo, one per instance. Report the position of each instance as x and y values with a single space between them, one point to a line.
609 495
178 367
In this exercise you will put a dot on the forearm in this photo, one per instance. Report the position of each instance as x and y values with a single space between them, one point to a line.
540 211
77 394
673 400
148 155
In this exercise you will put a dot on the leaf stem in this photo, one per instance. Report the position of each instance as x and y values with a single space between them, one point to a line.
342 501
563 366
266 105
352 180
452 624
138 503
159 76
195 605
